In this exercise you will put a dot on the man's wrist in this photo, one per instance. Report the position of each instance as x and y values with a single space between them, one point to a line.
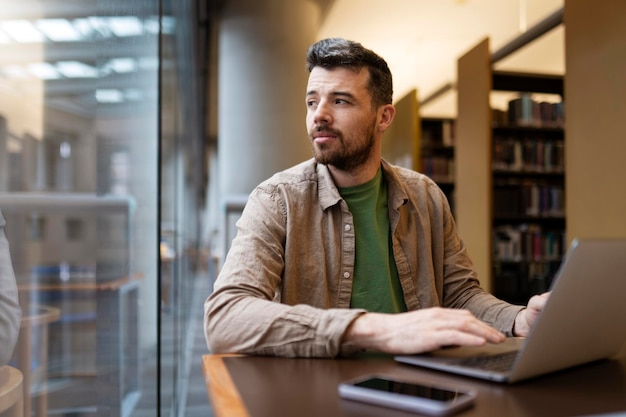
360 333
520 327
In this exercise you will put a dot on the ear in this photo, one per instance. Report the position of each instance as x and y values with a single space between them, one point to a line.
386 114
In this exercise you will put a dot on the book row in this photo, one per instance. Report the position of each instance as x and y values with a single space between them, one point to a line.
528 155
528 199
525 111
527 243
439 168
438 133
516 282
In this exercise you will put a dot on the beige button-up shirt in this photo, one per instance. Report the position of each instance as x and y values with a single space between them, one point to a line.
285 285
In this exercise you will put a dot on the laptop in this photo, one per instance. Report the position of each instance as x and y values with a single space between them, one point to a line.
584 320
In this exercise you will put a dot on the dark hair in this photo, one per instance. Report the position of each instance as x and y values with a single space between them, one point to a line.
338 52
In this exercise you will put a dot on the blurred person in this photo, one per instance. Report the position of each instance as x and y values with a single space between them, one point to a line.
10 312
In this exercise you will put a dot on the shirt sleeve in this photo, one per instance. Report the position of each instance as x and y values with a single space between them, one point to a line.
462 288
242 314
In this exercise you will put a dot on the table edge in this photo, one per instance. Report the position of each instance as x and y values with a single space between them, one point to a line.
223 394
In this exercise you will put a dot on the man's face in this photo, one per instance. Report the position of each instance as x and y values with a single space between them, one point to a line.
341 121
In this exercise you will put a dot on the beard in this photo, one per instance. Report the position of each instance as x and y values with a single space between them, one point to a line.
349 155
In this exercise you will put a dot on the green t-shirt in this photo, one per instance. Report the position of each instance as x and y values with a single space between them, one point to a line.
376 286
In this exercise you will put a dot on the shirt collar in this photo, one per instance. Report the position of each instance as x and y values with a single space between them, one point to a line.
329 195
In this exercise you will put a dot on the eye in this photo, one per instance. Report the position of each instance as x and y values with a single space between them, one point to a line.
311 103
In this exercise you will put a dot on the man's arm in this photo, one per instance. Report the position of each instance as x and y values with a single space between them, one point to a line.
244 314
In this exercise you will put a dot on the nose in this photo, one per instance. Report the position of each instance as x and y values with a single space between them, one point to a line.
322 113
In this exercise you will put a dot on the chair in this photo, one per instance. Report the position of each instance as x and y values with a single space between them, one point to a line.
11 393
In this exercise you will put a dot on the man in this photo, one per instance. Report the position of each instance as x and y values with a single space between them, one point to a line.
10 312
346 253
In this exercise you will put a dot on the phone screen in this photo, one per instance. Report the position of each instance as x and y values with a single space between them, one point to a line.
414 390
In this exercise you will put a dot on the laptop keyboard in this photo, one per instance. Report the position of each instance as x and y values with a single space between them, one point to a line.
500 362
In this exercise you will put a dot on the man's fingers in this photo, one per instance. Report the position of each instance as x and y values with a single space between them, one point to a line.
420 331
457 338
465 322
456 327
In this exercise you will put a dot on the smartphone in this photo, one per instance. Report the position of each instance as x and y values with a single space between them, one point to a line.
408 396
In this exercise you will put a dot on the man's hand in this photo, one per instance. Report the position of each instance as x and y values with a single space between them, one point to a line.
419 331
526 318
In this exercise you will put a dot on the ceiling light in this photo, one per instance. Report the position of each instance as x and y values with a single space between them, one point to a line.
125 26
99 25
166 25
84 27
58 30
22 31
44 71
76 69
151 25
109 96
123 65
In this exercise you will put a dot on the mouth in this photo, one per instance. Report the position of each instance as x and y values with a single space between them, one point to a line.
323 136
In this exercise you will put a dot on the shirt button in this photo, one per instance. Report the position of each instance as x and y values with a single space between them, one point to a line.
347 227
346 274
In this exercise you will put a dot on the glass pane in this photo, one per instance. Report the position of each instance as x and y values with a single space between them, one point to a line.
79 191
183 244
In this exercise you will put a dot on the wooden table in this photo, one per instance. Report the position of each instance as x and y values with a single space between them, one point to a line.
249 386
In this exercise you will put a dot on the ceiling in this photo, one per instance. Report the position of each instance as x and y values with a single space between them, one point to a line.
78 60
422 39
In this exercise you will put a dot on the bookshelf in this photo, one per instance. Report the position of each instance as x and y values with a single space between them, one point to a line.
528 186
424 145
437 153
510 176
